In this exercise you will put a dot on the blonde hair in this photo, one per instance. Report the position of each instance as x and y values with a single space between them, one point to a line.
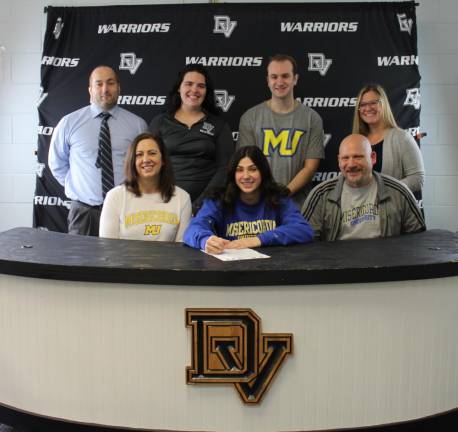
359 126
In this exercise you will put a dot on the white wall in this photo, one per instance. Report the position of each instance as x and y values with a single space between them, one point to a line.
21 34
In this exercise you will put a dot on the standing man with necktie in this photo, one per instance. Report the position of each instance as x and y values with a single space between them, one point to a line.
88 147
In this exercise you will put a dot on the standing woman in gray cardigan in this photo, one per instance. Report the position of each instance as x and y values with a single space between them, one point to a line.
397 152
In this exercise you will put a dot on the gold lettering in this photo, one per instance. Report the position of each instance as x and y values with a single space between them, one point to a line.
285 142
151 216
152 230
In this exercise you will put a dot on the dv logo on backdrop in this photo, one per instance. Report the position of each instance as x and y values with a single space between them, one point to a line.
58 28
319 63
405 24
40 168
414 131
224 99
413 98
224 25
41 97
130 62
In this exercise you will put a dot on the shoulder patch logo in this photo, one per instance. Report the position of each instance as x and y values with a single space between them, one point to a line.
208 129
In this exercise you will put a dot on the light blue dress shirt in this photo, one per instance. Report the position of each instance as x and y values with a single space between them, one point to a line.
74 147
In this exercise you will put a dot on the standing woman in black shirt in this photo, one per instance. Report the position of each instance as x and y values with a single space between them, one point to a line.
198 141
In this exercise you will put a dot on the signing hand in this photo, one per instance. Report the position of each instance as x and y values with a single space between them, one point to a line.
216 245
249 242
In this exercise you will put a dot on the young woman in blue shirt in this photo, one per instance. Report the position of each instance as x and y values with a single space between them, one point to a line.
250 211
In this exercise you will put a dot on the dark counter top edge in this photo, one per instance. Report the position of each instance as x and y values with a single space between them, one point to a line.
21 419
239 278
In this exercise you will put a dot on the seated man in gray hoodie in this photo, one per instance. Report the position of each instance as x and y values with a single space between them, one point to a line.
361 203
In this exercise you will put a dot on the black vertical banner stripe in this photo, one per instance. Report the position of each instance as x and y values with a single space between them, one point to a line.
338 48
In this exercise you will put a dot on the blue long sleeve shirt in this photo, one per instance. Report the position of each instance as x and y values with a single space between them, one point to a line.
74 147
281 226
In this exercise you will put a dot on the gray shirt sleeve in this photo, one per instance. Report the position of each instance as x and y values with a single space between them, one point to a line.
412 164
312 210
315 149
247 134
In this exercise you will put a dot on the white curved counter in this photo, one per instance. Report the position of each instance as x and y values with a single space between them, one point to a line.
364 353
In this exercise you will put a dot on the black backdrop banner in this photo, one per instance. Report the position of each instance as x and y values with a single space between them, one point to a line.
339 47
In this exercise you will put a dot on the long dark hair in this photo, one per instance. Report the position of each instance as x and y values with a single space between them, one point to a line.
272 191
166 180
208 104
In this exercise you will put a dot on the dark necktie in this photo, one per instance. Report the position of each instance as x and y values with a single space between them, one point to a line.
104 158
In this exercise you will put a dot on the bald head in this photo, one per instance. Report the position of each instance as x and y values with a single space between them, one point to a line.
356 141
356 160
104 87
104 70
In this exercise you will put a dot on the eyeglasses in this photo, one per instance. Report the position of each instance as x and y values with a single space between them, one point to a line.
369 104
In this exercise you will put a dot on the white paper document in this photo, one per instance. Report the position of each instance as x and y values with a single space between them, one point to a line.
238 254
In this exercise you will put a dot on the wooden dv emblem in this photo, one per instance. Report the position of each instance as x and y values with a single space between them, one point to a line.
228 347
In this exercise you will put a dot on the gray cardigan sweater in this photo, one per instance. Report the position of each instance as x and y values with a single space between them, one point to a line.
402 159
